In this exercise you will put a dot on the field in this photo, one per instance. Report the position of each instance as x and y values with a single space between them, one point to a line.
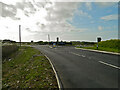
28 68
112 45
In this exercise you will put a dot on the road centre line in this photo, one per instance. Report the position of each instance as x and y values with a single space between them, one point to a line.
99 61
109 64
77 54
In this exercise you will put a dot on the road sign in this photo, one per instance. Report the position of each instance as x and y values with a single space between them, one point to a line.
98 39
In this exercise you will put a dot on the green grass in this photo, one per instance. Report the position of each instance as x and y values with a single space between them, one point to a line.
113 43
102 49
109 45
28 68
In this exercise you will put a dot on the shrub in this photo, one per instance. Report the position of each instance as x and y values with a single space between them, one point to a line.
8 50
113 43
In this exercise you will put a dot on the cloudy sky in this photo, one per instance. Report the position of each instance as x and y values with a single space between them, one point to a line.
69 21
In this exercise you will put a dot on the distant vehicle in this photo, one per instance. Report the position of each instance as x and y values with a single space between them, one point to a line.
61 43
54 45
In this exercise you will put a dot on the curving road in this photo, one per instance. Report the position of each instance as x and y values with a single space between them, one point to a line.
83 69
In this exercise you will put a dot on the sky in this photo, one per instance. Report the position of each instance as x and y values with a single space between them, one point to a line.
70 21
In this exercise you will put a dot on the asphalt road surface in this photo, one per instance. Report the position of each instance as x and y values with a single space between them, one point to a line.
83 69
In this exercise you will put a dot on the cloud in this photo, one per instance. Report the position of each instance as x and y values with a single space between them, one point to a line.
10 2
110 17
105 4
100 28
7 10
61 11
88 5
28 8
83 14
39 17
58 14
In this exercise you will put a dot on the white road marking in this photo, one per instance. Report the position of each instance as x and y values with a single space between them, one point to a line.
56 75
50 47
83 56
77 54
109 64
99 61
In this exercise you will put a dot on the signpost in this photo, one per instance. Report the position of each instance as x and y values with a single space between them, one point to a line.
98 40
20 34
48 39
57 41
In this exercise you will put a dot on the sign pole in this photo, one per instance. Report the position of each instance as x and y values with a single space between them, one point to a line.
20 34
48 39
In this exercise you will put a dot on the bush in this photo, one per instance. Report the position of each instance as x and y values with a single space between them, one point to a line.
8 50
113 43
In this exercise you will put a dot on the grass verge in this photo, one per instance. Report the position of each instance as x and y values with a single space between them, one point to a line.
102 49
28 68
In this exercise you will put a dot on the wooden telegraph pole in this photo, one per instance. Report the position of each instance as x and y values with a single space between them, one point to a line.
20 34
48 39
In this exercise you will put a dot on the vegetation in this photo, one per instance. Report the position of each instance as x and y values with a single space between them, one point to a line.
8 50
115 44
41 43
28 68
83 43
112 45
8 41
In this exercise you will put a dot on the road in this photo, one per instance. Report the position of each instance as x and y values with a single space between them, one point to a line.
83 69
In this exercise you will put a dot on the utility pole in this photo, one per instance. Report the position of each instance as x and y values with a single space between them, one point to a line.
48 39
57 40
20 34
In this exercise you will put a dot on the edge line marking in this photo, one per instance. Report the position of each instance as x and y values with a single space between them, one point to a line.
56 75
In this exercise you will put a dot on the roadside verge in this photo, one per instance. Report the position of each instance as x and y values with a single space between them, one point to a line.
99 51
60 86
28 68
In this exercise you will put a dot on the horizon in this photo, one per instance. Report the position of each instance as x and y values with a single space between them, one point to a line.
61 40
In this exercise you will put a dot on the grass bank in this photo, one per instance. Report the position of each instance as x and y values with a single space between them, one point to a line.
28 68
109 45
7 50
